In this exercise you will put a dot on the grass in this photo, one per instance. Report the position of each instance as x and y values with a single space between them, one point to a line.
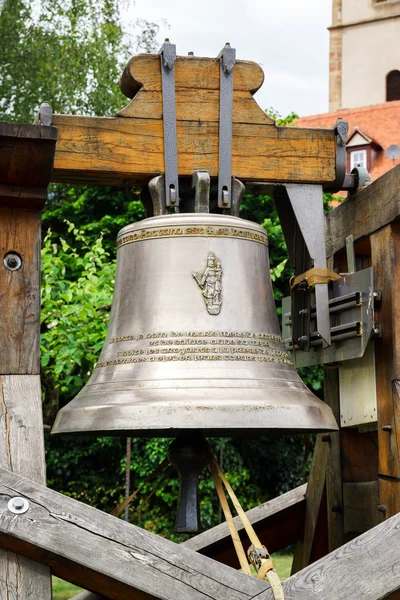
63 590
283 564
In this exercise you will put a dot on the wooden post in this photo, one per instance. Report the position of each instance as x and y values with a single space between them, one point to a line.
25 166
385 251
334 489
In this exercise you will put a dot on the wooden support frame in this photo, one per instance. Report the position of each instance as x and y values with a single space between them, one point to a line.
130 147
25 173
133 563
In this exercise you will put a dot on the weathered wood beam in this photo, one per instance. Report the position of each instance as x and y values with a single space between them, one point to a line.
366 567
366 212
26 160
313 498
109 556
385 255
86 546
277 523
131 146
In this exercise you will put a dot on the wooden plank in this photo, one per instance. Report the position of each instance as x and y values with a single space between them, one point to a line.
22 451
26 162
132 149
359 455
360 503
64 532
334 491
108 555
276 522
367 568
385 248
369 210
20 291
315 489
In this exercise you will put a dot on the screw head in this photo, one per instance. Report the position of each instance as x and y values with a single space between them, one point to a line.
18 506
12 261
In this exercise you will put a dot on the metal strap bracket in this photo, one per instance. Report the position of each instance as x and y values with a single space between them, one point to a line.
168 57
227 58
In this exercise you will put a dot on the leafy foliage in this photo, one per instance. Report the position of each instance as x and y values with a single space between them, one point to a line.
66 52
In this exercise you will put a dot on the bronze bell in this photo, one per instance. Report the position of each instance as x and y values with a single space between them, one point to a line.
193 341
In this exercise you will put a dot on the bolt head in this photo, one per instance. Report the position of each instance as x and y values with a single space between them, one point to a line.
18 506
12 261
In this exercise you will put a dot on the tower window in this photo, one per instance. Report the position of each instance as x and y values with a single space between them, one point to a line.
358 159
393 86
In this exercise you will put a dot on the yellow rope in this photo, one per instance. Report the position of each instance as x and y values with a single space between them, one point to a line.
266 570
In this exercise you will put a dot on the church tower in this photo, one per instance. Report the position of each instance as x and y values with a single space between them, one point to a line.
364 62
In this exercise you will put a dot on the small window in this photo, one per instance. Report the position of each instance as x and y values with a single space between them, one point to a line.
358 159
393 86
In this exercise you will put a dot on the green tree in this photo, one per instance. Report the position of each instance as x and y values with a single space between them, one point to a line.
67 52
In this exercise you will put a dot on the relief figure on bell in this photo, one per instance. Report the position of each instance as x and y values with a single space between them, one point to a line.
210 283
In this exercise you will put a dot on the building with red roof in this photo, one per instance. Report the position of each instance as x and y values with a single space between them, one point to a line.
372 131
364 82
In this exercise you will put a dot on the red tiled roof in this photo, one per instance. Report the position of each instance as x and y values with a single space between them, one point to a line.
380 122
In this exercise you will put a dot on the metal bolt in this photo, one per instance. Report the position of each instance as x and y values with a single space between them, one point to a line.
387 428
382 508
12 261
303 311
18 506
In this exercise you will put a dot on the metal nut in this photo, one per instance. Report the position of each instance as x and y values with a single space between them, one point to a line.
18 506
12 261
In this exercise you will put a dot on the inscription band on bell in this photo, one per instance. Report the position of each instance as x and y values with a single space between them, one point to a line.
182 232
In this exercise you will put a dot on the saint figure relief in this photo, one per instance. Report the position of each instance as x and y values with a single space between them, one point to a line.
210 283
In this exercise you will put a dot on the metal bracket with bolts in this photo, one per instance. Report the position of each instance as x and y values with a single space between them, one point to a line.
227 58
168 57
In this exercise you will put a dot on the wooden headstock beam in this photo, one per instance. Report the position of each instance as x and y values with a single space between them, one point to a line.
130 146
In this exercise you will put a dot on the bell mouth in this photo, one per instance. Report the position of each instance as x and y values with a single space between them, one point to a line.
281 407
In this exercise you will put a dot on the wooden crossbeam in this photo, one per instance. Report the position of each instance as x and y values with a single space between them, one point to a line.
109 556
369 210
276 522
130 147
121 561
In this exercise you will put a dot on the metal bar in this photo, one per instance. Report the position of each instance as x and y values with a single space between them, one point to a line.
227 58
334 307
128 474
349 330
168 56
201 185
351 255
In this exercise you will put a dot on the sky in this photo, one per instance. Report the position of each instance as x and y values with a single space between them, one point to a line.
288 38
